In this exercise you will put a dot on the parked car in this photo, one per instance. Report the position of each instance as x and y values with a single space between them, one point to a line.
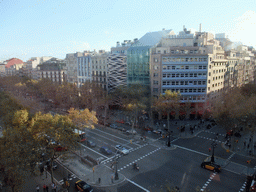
237 134
128 123
83 186
148 129
90 143
121 129
158 131
131 132
105 150
120 121
121 149
114 126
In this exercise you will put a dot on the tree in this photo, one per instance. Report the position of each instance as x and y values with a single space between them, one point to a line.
168 103
133 98
83 118
19 151
55 134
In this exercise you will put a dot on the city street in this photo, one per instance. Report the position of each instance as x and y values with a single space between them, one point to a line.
161 167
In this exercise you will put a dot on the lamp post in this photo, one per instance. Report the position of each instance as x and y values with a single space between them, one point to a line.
116 174
214 144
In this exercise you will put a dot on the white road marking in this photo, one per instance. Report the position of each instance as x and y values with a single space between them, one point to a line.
137 185
94 151
192 150
115 136
208 181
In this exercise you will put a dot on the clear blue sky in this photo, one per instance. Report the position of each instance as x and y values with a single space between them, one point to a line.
30 28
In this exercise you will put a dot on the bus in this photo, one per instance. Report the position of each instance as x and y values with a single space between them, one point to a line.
82 135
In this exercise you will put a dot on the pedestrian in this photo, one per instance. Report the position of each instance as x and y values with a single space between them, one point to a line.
210 149
44 188
53 187
112 179
248 146
99 180
37 188
244 144
250 140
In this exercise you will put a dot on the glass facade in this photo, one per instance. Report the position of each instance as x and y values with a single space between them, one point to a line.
138 65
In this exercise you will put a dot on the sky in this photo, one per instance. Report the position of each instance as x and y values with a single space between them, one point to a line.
35 28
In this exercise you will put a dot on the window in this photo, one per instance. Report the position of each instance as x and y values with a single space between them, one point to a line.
204 82
164 82
209 73
200 66
168 82
204 67
209 88
181 90
191 82
155 67
156 74
210 66
187 67
177 83
186 74
173 82
190 90
195 82
155 90
190 74
164 75
186 90
213 78
173 67
199 90
156 60
199 82
203 90
173 74
194 90
182 83
195 74
182 75
164 67
186 82
155 82
177 75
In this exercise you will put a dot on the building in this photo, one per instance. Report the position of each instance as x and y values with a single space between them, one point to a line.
138 57
117 65
54 69
71 61
191 64
12 66
99 63
84 67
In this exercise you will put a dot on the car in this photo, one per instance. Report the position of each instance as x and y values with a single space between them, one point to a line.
237 134
131 132
211 166
121 129
148 129
120 121
90 143
159 131
128 123
114 126
230 132
105 150
121 149
83 186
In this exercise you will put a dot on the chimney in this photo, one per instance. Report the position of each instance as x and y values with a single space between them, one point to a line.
200 28
117 44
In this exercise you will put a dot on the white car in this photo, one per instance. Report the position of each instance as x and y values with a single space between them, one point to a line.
131 132
121 149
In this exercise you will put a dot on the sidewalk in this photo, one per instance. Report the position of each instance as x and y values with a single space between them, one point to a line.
99 176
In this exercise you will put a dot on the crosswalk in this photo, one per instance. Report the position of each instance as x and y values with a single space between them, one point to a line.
61 182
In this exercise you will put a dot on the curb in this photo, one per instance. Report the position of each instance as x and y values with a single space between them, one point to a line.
104 186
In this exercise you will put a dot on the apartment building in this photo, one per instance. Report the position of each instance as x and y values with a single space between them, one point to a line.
84 67
54 69
12 66
99 62
71 64
117 64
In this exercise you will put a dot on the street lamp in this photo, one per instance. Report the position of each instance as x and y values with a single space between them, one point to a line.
116 174
214 144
